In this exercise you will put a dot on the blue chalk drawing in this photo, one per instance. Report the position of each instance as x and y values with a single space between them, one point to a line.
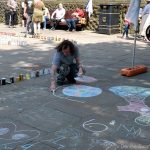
4 131
81 91
129 92
9 135
20 136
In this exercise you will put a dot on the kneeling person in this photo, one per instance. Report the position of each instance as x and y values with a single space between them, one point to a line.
66 63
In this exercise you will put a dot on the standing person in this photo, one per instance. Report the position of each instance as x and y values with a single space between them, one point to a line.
126 29
23 22
57 15
145 22
38 7
79 13
46 17
28 13
12 4
66 62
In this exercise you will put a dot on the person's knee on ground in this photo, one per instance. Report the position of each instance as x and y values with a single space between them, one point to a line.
72 74
63 71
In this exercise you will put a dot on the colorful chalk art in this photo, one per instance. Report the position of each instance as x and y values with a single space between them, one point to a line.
10 135
85 79
81 91
135 96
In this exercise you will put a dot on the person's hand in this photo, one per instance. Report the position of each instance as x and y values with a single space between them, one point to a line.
53 86
25 15
80 73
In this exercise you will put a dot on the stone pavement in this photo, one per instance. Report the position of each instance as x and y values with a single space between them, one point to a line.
118 118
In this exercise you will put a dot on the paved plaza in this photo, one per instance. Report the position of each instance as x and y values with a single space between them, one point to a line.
117 117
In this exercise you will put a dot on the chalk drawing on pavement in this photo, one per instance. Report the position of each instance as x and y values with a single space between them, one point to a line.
4 131
9 134
62 96
135 96
85 79
81 91
129 132
105 144
71 134
143 120
94 127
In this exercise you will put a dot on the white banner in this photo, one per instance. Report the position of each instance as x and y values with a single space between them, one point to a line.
133 13
89 8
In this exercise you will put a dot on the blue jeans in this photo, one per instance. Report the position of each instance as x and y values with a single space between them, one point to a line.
126 28
12 17
72 23
45 21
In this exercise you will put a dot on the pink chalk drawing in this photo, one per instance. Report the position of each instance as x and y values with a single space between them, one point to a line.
86 79
135 96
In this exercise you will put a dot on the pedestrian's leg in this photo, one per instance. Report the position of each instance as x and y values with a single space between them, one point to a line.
68 21
10 18
14 18
74 21
35 28
123 32
45 17
27 24
52 24
56 23
39 27
32 26
127 31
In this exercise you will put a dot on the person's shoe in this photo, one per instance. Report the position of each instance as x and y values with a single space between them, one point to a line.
25 35
73 30
52 28
53 86
127 37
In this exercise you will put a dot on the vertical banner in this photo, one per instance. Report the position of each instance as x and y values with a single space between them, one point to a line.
133 13
89 8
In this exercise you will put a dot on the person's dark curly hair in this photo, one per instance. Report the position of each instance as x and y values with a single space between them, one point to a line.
66 44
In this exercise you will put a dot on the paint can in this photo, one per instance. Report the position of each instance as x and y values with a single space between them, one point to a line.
17 79
37 73
12 80
21 77
3 81
45 71
41 72
27 76
33 74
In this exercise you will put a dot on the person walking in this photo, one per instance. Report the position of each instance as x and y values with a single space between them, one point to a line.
126 29
12 4
23 22
28 13
38 7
